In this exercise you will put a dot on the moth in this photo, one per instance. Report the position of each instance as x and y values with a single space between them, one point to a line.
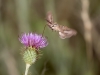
64 31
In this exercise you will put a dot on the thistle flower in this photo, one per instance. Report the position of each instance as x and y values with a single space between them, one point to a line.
33 40
32 44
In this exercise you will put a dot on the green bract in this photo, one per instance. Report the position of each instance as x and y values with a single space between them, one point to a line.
30 55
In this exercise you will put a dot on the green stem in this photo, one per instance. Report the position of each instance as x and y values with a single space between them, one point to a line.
27 68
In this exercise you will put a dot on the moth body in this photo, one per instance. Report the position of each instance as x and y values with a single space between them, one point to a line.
64 31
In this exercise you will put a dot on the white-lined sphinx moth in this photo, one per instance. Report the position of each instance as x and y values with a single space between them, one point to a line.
64 31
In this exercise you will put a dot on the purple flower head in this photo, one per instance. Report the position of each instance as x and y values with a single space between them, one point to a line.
33 40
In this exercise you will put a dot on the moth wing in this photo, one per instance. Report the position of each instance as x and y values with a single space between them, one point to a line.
49 17
62 35
70 32
67 34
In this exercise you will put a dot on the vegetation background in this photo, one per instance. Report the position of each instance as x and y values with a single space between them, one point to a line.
78 55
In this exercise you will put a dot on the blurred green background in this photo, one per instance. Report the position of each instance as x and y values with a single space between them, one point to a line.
78 55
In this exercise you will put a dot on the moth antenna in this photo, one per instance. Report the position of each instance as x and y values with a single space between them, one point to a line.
43 30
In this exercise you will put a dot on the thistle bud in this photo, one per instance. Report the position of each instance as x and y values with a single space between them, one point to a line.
29 55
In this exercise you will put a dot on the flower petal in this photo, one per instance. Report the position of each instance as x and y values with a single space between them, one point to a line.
34 40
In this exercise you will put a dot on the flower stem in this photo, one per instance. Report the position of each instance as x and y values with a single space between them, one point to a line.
27 68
